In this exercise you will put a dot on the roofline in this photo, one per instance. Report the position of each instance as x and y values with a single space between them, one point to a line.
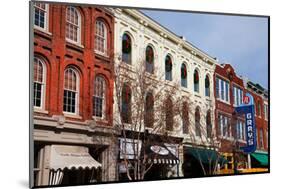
158 27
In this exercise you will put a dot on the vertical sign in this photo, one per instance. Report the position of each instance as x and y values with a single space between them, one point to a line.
248 109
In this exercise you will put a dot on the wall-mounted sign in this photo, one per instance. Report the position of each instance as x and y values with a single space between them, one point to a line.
159 150
248 109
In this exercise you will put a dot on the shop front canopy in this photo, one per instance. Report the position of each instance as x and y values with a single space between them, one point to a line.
71 157
206 156
160 154
262 158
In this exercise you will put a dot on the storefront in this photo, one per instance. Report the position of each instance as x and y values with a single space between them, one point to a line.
201 161
160 160
67 165
259 160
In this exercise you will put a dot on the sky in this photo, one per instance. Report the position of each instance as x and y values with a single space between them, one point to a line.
241 41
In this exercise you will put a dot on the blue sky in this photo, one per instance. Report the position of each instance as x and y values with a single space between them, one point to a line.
239 40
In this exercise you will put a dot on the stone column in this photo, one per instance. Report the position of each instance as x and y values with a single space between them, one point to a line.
181 158
109 158
44 180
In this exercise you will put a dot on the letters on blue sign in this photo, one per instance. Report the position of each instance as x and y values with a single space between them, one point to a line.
249 111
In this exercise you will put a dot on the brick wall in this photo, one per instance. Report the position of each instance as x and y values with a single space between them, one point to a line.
60 54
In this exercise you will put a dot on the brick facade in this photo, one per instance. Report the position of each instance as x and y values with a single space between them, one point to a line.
60 54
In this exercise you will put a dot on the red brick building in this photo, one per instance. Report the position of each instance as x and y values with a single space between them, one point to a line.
230 127
73 92
260 95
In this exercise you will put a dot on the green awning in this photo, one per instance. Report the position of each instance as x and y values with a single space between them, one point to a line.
206 156
261 157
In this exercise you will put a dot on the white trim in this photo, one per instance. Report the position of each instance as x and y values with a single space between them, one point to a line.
78 42
46 18
104 52
76 92
43 83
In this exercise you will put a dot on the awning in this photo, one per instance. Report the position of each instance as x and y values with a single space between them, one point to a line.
262 158
160 154
69 157
206 156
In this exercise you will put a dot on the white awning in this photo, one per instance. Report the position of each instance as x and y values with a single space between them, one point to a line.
69 157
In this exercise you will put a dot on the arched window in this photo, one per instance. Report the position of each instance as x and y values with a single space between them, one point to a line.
185 118
71 91
73 25
209 124
41 15
183 75
99 98
149 59
197 122
196 81
168 68
169 114
207 86
101 37
149 110
39 83
126 104
126 49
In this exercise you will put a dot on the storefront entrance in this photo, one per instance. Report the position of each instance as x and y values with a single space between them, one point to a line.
80 176
157 171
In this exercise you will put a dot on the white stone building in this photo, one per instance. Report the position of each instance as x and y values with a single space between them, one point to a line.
142 31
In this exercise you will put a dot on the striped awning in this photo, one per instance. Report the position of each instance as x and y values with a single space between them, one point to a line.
71 157
160 154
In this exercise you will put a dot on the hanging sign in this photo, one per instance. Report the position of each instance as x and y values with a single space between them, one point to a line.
248 109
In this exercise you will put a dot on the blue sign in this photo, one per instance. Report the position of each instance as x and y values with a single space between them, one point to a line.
248 108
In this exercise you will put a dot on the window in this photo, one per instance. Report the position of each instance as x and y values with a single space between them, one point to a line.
224 126
149 59
101 37
126 49
240 130
99 101
183 75
185 118
149 110
126 104
73 24
207 86
237 96
169 114
41 15
39 83
168 68
261 138
259 108
196 81
209 124
222 90
265 111
197 122
71 91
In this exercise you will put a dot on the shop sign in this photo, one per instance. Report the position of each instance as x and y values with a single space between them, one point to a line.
159 150
248 109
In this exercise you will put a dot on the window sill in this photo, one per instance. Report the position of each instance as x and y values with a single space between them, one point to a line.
41 30
105 55
74 44
69 115
223 101
100 120
38 110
